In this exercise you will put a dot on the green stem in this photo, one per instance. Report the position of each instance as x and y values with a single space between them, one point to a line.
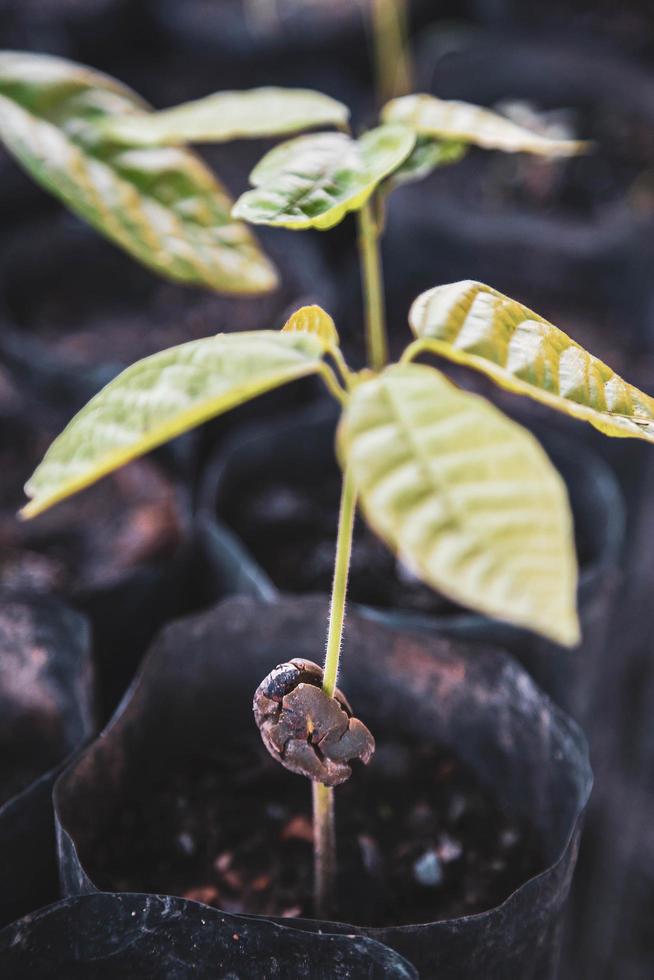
415 348
339 587
324 850
324 833
342 366
332 384
373 291
391 49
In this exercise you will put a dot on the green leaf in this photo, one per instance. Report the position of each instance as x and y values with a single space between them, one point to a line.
466 123
254 113
467 498
162 396
314 181
473 324
313 320
161 205
427 155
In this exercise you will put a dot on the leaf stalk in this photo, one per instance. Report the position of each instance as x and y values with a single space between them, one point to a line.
332 383
415 349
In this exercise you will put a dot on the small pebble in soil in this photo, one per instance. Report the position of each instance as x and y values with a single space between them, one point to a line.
222 862
509 838
299 828
372 859
208 895
292 913
448 849
457 807
427 869
186 843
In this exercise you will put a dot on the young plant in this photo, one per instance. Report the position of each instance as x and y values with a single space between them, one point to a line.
464 496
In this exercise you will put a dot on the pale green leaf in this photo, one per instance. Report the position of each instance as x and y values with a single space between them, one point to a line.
427 155
162 396
314 181
162 205
253 113
466 123
466 498
313 320
473 324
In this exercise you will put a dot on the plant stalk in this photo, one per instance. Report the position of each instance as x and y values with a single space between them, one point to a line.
339 586
324 833
373 289
324 850
391 49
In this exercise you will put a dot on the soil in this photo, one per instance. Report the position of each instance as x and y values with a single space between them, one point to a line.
418 838
627 25
95 324
93 539
26 762
619 167
89 323
290 528
17 775
578 187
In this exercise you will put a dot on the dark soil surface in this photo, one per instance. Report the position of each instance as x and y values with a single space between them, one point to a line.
290 528
627 25
17 775
92 539
618 167
95 323
111 311
418 838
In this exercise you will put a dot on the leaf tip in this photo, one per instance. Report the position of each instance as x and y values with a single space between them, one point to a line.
29 510
270 279
569 632
238 210
314 320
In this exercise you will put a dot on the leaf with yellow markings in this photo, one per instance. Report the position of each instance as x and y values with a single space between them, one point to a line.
462 122
162 396
476 325
314 181
163 206
466 498
251 114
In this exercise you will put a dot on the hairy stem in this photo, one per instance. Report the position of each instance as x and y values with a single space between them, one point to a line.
339 586
373 289
324 850
391 49
324 834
